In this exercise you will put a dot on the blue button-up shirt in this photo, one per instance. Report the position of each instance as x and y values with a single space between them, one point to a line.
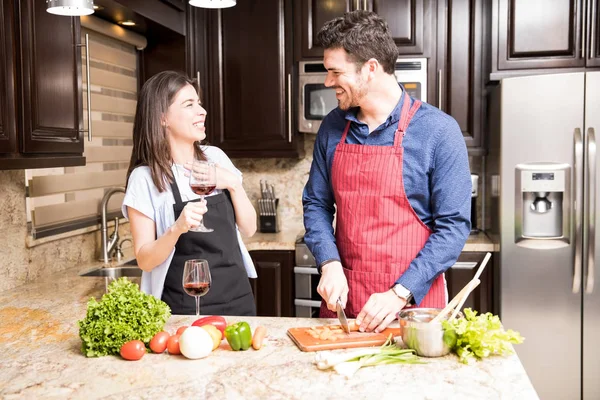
437 183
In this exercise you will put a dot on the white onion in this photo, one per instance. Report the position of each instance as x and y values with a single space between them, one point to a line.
195 343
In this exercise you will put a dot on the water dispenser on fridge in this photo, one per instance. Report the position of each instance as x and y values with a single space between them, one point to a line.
542 205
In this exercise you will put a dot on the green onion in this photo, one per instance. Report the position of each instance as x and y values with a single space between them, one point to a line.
348 363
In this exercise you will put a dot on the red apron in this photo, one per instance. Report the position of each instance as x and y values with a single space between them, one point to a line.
378 233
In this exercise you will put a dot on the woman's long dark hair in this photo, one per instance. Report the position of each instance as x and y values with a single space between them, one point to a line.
150 145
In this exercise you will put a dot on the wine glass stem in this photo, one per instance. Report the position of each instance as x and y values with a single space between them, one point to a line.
197 305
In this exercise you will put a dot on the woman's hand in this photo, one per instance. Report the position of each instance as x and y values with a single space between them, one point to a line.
191 216
225 178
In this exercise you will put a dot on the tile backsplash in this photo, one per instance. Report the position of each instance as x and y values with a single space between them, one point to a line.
22 264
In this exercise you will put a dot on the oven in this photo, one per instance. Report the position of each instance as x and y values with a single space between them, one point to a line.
316 100
306 278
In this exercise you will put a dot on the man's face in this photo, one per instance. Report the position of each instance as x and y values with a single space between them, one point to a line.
349 84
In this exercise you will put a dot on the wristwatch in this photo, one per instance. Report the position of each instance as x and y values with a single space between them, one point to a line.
402 292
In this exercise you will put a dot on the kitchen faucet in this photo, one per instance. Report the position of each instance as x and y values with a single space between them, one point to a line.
109 244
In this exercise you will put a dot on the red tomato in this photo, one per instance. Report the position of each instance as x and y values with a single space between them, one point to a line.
215 320
158 344
181 329
133 350
173 344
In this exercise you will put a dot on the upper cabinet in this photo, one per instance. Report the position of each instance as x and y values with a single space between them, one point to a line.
247 81
41 105
409 22
8 118
461 56
541 34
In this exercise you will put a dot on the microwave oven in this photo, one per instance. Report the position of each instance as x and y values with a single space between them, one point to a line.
316 100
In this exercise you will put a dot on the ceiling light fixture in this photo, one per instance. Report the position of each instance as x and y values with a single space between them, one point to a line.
127 23
70 8
213 3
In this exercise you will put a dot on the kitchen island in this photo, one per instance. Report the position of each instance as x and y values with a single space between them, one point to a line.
41 358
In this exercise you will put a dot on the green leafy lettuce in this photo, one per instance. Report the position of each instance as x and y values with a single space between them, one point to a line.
123 314
475 337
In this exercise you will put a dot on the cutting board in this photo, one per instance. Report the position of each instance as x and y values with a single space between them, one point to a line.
306 342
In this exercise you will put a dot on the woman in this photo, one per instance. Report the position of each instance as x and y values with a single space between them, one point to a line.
161 207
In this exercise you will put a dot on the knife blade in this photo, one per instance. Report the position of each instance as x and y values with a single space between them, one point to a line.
342 316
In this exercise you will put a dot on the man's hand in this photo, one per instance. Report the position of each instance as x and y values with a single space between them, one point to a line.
333 285
379 311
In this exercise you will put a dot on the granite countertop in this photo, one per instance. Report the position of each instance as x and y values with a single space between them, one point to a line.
41 359
286 240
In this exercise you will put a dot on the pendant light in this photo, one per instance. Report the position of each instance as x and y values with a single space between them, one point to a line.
213 3
71 8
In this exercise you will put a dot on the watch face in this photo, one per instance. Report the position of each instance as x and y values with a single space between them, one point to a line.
402 292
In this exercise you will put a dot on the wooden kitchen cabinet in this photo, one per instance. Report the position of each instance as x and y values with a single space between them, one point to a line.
40 88
530 35
8 117
244 57
273 289
461 59
457 277
410 22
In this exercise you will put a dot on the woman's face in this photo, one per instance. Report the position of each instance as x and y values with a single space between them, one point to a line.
185 117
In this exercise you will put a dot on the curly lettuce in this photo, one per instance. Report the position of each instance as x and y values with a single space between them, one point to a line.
123 314
475 337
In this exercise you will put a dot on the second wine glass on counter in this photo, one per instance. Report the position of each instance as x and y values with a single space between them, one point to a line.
196 280
203 180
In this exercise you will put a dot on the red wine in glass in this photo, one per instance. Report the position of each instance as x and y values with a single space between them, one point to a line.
202 190
196 288
196 279
203 180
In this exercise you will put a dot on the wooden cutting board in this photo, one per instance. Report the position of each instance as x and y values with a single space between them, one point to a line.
306 342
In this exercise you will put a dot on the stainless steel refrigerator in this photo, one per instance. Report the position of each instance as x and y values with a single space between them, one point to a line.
543 193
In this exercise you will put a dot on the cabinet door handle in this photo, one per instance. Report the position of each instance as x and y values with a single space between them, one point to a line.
88 84
357 6
365 7
440 77
289 107
464 265
198 80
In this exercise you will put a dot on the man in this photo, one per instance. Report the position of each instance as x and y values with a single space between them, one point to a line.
395 170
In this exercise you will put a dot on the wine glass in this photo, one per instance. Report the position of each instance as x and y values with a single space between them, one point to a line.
203 180
196 280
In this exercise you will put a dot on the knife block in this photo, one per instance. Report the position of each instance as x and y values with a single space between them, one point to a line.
267 216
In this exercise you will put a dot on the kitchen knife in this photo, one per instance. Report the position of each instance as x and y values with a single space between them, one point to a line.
342 316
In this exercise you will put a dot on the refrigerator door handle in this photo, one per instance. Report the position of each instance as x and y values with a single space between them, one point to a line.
591 206
576 209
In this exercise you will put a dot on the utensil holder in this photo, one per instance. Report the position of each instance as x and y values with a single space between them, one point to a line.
267 215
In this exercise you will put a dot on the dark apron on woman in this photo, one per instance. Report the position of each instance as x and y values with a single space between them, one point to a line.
230 292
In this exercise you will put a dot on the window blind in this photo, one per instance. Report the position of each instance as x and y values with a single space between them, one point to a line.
63 199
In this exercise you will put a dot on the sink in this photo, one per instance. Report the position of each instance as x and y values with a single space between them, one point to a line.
129 269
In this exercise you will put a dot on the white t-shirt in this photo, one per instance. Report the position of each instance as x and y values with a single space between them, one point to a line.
144 196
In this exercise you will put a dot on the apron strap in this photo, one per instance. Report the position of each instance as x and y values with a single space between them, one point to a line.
406 116
176 193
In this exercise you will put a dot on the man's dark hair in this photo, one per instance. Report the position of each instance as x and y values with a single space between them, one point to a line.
364 35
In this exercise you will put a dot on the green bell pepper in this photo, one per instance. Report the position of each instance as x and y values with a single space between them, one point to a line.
239 336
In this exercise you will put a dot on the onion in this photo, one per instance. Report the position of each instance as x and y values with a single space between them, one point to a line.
195 343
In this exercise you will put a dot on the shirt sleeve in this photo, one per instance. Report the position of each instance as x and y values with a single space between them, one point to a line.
450 183
139 193
318 203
